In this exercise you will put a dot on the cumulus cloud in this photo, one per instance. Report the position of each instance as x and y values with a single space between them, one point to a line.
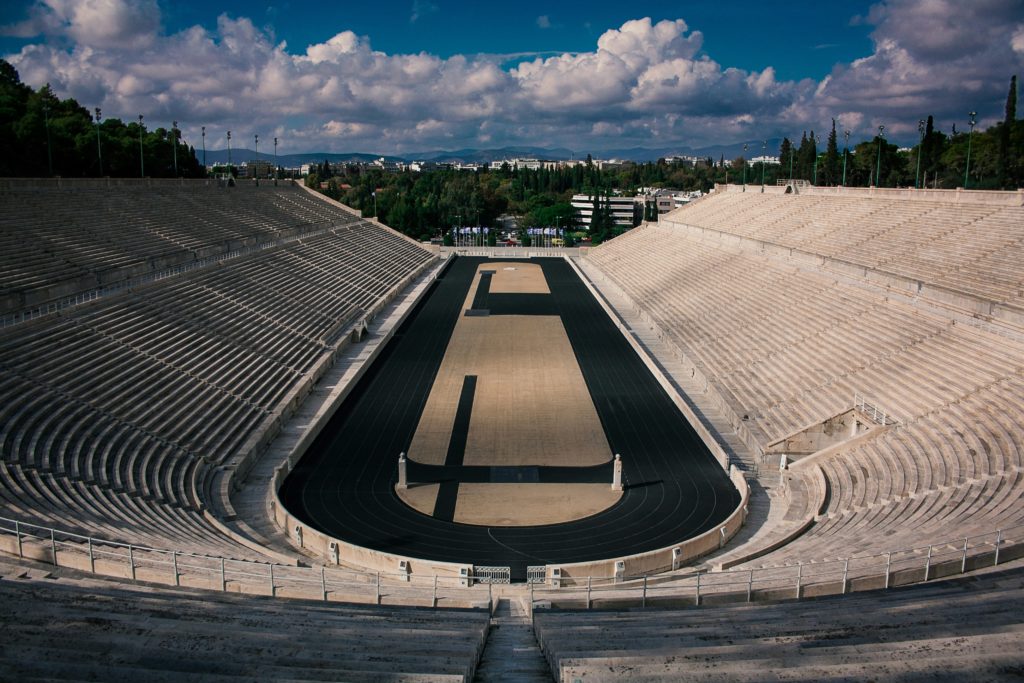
92 23
643 83
937 57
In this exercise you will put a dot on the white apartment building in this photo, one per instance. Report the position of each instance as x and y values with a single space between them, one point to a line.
622 209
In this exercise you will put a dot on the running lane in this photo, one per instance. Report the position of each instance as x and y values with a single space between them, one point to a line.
344 485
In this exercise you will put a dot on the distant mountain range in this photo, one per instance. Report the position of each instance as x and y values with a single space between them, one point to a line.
481 156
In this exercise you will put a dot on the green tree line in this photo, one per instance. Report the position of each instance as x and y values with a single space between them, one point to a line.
42 135
938 160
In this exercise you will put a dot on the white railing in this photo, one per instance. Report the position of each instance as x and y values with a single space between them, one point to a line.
831 577
179 568
873 412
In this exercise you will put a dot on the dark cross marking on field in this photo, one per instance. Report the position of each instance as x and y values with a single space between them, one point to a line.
453 472
483 289
448 492
487 303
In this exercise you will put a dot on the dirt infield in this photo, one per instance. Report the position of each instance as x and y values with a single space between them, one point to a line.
517 504
530 406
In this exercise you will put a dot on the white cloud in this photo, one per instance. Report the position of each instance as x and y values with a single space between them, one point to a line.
934 57
92 23
543 21
643 83
421 8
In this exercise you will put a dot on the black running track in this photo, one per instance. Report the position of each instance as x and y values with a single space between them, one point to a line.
344 484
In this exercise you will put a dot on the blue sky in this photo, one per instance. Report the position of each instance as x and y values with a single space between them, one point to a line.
427 74
799 38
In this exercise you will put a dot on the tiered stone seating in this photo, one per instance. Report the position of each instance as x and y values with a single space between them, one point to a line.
116 415
70 629
966 247
58 241
787 344
964 629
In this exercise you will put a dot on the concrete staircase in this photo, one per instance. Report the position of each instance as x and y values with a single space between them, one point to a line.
511 654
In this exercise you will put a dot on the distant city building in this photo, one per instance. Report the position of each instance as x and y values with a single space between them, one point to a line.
688 161
623 209
256 168
766 160
388 166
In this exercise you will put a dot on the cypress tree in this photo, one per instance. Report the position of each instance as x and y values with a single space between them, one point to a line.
784 151
829 175
1006 165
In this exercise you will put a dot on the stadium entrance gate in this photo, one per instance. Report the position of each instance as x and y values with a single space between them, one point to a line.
492 574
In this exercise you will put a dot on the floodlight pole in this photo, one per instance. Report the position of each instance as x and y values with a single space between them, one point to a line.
878 164
229 153
255 171
99 147
846 152
970 135
174 143
275 161
792 150
204 150
920 148
142 159
744 171
764 151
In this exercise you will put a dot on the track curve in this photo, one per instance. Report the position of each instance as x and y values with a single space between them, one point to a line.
344 484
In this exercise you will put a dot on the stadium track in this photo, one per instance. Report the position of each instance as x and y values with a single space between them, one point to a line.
344 484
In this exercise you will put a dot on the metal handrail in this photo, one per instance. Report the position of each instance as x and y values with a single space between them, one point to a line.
176 567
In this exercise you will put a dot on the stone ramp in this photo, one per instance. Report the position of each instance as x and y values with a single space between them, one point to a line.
952 630
58 627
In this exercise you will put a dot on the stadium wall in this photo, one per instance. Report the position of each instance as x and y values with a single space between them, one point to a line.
663 559
956 196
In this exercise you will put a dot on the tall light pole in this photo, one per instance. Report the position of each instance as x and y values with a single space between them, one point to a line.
792 149
275 161
744 168
878 164
255 171
846 152
969 136
174 143
99 147
229 153
920 148
204 150
142 160
46 122
764 152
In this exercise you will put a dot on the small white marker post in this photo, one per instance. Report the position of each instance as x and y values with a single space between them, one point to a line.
617 473
402 481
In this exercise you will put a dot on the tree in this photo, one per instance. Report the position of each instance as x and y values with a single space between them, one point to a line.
1006 171
785 154
829 173
806 156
